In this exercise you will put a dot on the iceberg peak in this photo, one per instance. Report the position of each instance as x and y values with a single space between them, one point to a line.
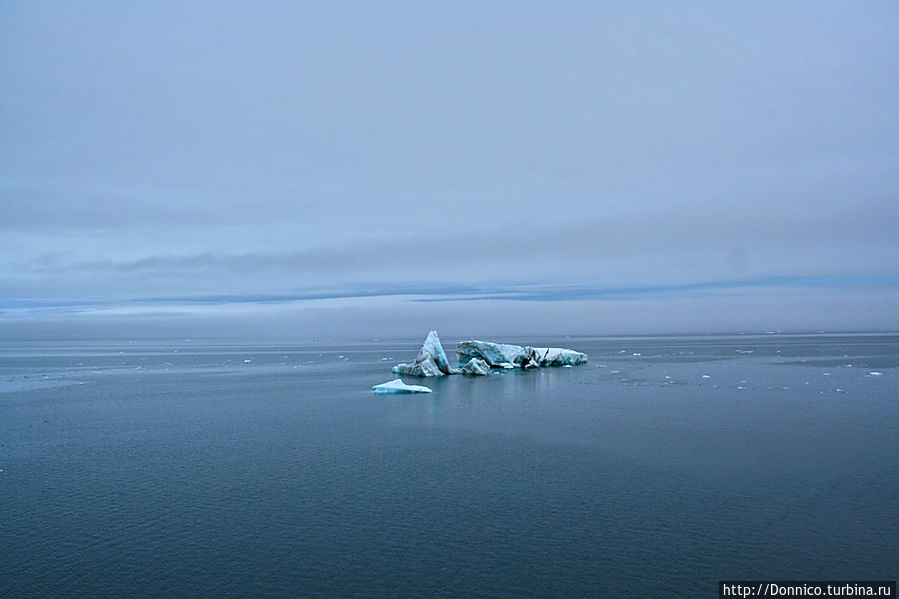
431 360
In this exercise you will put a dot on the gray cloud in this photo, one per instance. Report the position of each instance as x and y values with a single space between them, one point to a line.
175 150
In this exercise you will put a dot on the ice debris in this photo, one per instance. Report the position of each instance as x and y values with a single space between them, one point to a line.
431 360
398 386
476 367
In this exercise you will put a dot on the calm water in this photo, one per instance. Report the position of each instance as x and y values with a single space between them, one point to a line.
189 469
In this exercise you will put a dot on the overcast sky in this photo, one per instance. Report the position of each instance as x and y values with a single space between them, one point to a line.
508 167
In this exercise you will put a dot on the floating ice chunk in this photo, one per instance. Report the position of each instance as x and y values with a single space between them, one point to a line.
557 356
505 365
476 367
431 360
567 366
247 361
499 354
398 386
875 373
705 376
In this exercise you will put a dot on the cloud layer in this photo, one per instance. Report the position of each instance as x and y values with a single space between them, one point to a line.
185 155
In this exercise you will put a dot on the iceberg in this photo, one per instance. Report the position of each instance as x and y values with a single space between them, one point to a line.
477 358
476 367
398 386
557 356
502 355
431 360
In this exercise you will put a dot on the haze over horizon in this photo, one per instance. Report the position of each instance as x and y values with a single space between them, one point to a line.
291 169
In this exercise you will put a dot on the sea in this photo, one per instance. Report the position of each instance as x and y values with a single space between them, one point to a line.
215 468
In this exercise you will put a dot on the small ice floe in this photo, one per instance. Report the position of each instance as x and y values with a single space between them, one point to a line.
705 376
565 366
637 354
398 386
616 372
342 357
744 351
875 373
505 365
740 387
825 374
247 361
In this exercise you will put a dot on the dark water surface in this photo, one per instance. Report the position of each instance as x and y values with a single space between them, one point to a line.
191 469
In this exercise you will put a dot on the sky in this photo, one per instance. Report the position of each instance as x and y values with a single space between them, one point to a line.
377 168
